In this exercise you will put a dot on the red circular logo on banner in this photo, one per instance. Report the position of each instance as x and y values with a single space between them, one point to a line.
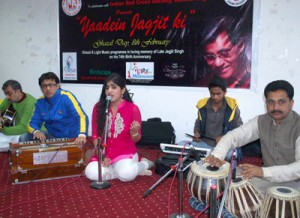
71 7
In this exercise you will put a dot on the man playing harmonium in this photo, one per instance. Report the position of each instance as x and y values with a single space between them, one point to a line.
16 110
279 133
59 111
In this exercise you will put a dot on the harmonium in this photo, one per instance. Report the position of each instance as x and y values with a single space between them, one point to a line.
50 159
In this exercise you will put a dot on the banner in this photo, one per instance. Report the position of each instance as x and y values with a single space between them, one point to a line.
156 42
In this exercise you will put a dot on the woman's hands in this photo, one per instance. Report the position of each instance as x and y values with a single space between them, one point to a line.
106 162
134 131
134 128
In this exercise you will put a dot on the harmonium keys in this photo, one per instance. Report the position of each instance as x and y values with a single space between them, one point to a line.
50 159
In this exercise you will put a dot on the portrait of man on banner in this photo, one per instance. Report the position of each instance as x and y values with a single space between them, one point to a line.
224 50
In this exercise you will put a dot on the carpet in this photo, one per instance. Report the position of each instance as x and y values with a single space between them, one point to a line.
73 197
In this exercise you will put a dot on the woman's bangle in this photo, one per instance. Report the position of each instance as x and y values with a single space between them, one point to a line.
135 134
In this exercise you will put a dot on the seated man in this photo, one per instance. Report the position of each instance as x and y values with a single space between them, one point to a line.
59 111
216 116
19 114
279 134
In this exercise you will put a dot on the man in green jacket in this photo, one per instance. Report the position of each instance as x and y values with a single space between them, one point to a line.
16 110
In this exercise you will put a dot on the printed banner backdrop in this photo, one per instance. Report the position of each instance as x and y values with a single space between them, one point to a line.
156 42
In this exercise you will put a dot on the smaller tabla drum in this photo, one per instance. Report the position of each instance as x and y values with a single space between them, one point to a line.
244 200
201 177
281 202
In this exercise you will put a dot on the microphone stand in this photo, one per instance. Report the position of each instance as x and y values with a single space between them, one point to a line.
162 178
180 214
100 184
213 200
228 181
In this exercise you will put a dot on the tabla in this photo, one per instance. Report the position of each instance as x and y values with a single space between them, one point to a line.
281 202
244 199
201 177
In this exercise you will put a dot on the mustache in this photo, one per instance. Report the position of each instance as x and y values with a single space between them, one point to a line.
276 111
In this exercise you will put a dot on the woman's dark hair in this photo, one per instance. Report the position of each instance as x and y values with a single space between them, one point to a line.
119 81
280 85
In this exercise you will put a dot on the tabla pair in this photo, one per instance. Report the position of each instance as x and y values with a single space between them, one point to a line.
243 199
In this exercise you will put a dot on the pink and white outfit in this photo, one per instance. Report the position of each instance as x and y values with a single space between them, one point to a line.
121 150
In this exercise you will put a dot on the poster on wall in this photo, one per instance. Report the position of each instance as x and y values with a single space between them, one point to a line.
156 42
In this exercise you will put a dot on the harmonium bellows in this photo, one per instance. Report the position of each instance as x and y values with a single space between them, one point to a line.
50 159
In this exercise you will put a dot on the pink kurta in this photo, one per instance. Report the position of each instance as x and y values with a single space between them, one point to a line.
118 141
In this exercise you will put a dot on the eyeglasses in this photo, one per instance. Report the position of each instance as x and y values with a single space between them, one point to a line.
51 85
280 102
224 53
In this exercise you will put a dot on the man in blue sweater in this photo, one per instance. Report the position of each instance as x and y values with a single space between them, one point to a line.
59 111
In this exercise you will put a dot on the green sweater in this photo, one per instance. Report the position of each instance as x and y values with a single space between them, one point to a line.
24 111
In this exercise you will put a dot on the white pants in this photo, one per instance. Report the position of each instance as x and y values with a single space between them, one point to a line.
125 170
6 139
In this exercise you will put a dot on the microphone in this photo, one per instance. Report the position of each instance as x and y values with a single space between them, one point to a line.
108 101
